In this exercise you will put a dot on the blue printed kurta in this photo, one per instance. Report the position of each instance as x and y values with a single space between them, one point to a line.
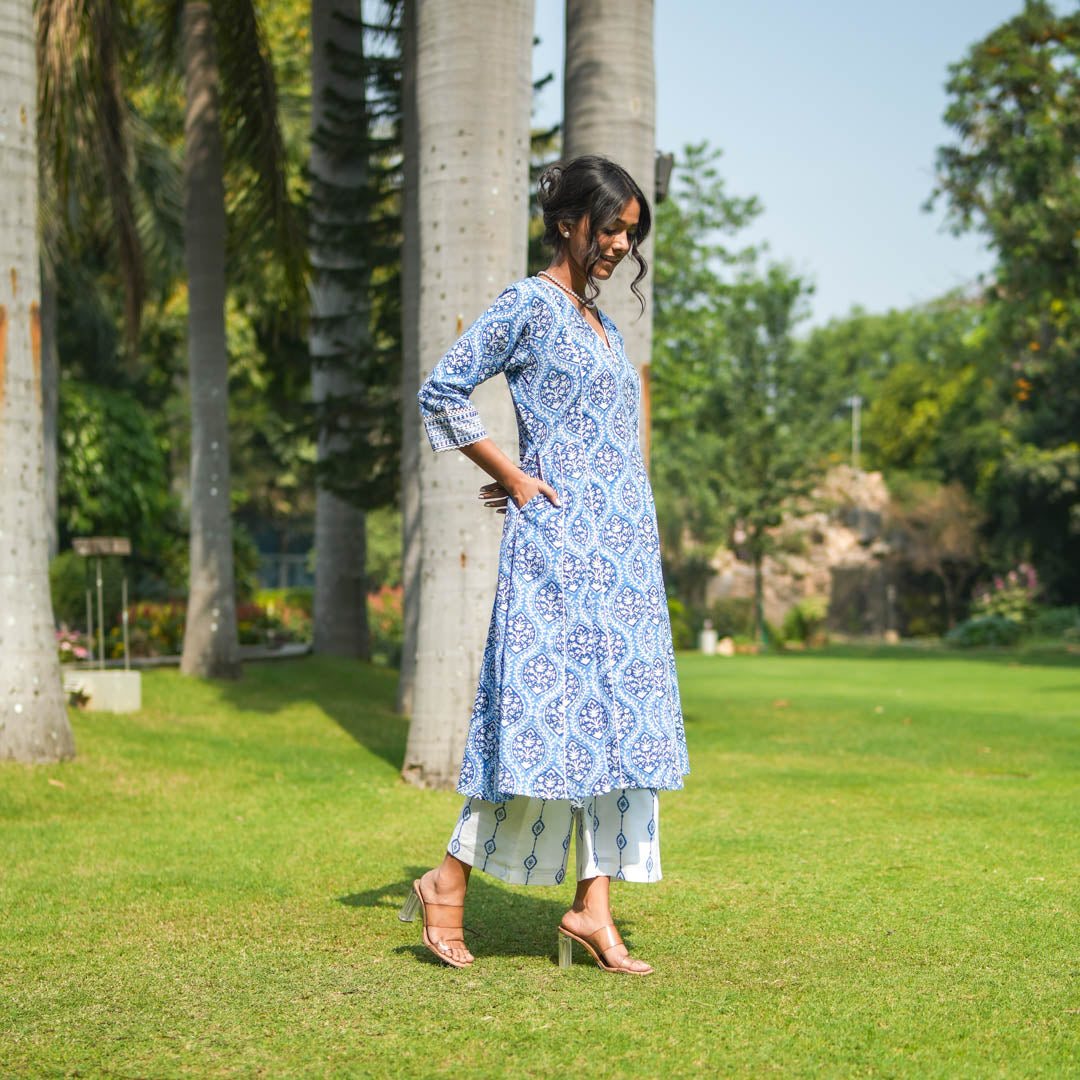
578 692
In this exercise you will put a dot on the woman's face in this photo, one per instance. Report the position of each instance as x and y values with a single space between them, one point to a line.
615 240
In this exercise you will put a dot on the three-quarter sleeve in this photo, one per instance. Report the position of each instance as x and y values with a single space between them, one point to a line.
450 418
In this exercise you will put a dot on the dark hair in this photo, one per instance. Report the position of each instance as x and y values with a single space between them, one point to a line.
594 187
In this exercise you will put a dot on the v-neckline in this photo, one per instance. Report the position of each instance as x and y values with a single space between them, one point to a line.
604 340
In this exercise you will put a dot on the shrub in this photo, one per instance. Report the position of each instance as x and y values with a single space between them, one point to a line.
682 633
774 635
302 598
805 621
153 630
1011 596
1056 622
257 625
732 616
71 645
985 630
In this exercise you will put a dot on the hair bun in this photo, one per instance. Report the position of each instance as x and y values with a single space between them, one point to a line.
547 187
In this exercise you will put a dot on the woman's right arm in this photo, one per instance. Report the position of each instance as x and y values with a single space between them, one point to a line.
451 421
510 480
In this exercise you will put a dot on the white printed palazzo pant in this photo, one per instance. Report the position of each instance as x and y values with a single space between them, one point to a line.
526 841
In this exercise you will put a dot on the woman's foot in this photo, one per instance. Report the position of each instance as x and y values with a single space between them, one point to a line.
442 885
585 923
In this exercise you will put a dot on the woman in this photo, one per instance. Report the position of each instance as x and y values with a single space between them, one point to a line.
577 722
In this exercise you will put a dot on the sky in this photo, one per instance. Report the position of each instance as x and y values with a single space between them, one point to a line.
830 113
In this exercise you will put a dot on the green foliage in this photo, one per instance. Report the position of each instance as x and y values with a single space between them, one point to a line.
245 563
354 210
691 265
734 437
70 575
682 633
985 630
732 616
383 547
245 566
1056 622
805 621
113 473
302 599
1011 175
256 625
920 374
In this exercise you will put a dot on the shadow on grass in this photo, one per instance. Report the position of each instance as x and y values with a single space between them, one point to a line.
358 697
500 920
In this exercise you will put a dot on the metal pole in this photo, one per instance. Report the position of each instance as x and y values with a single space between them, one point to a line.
100 618
855 401
124 601
855 432
89 628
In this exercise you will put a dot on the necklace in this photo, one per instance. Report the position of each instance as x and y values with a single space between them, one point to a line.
566 289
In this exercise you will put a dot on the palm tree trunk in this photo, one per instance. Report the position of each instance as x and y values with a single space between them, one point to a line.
33 719
210 642
339 317
609 108
410 365
473 131
50 400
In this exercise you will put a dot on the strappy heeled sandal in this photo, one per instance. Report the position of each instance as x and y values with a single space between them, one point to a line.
440 948
607 937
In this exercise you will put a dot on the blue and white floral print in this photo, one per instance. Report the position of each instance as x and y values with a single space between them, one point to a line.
578 692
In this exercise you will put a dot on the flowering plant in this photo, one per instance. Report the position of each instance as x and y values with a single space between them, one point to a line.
1011 596
71 644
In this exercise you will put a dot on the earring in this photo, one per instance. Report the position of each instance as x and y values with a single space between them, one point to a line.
565 234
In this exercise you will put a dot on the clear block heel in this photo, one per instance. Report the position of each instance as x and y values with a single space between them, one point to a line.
566 952
409 908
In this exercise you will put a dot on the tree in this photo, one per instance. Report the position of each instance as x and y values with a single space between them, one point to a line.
356 317
738 433
769 442
693 265
250 109
339 307
211 645
939 527
413 444
411 432
472 125
1011 175
84 148
609 108
914 370
33 719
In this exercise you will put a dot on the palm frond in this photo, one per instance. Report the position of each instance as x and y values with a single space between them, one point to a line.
84 130
253 138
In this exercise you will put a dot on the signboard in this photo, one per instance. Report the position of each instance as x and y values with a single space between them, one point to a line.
101 545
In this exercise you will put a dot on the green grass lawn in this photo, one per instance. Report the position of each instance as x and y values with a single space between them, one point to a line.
873 871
